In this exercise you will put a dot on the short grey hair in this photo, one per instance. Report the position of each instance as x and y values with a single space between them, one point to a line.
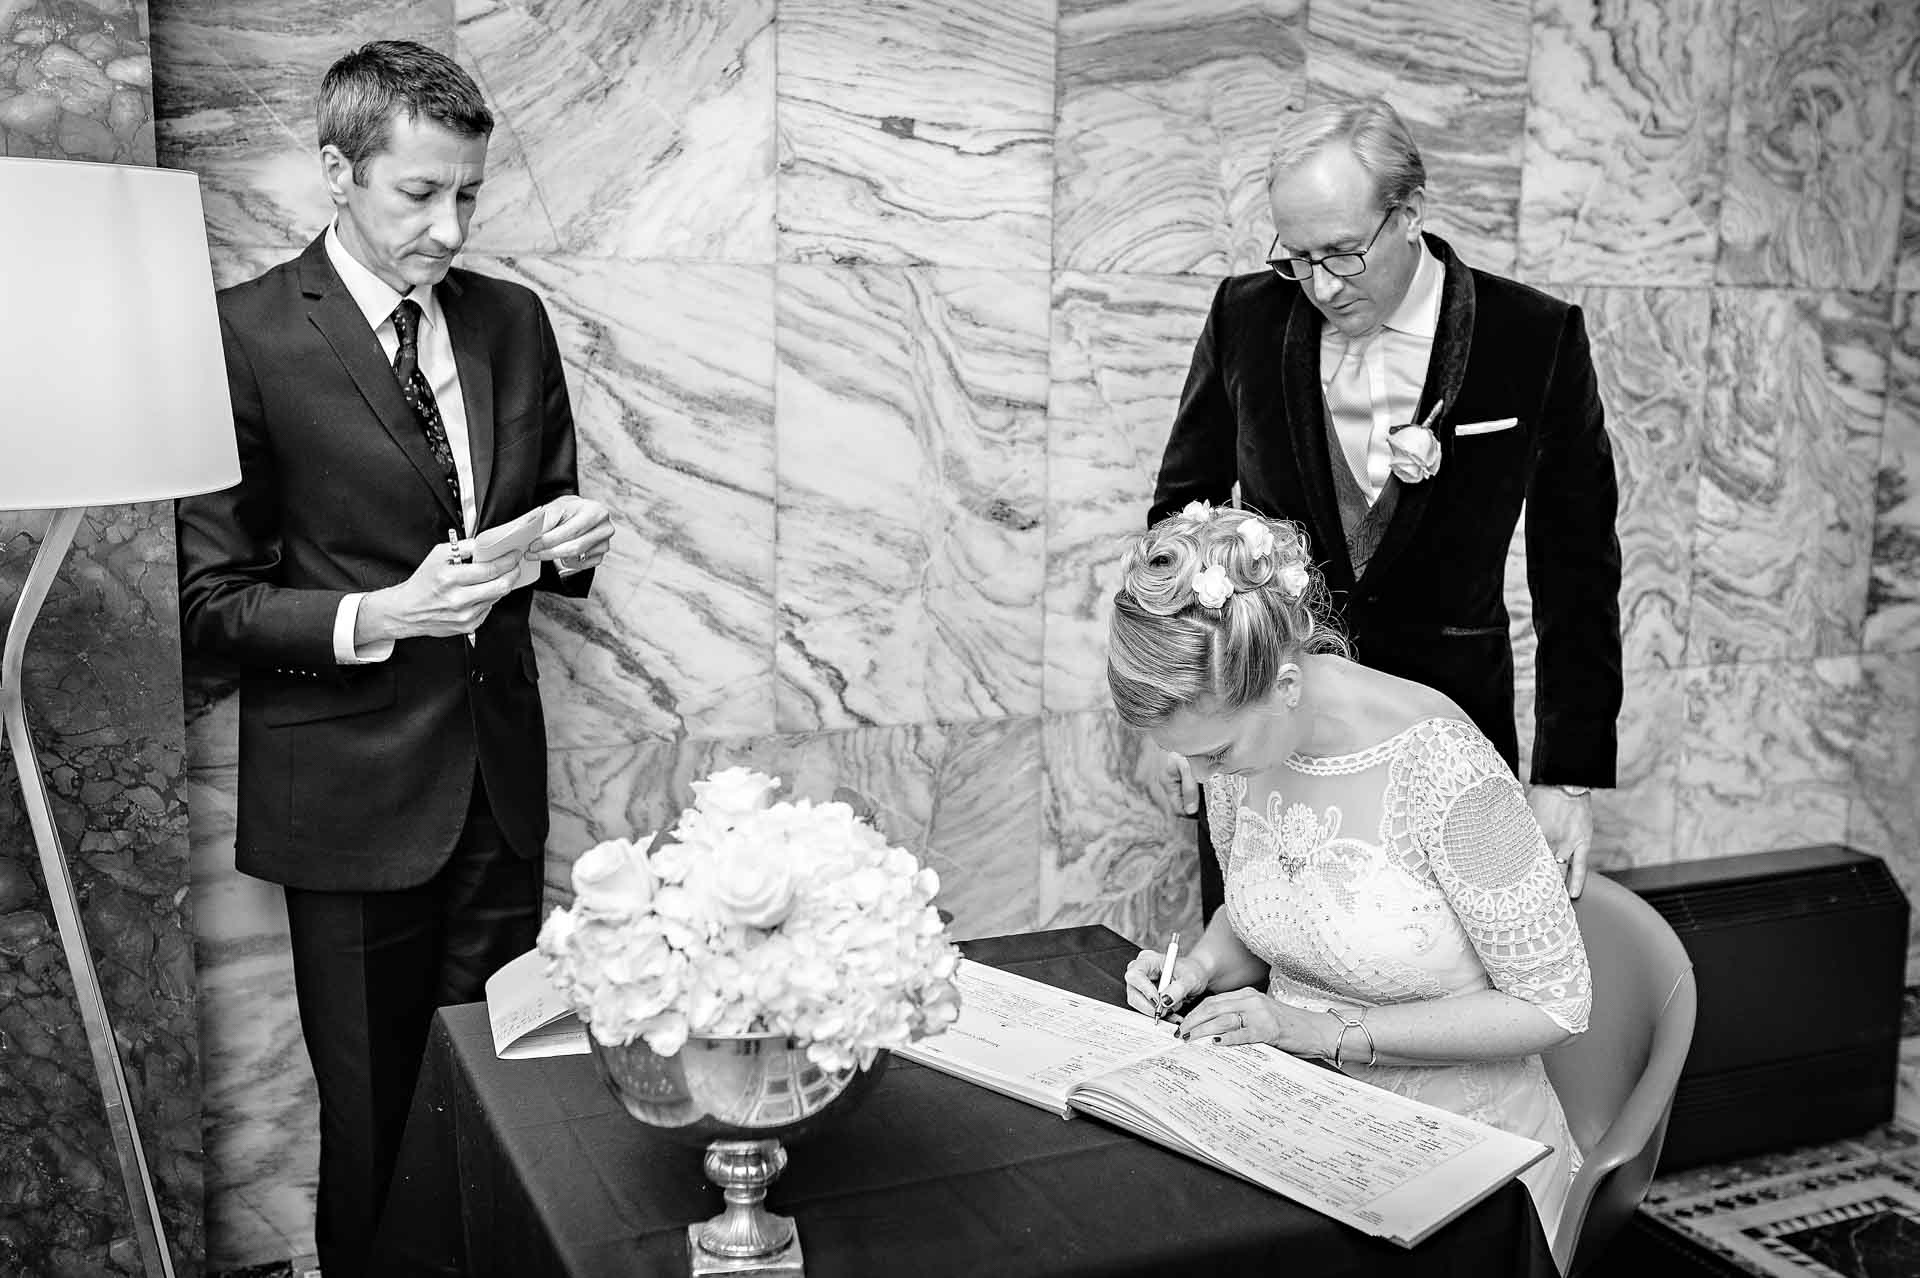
366 89
1377 135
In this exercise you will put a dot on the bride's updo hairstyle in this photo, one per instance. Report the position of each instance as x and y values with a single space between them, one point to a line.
1211 604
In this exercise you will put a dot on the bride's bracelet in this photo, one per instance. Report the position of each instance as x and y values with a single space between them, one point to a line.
1357 1022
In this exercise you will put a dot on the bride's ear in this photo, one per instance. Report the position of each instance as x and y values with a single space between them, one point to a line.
1287 684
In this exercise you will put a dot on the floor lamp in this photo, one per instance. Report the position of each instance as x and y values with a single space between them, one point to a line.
112 390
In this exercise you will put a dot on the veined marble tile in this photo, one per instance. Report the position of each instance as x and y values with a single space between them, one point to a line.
1626 138
661 142
1821 128
965 799
670 366
1907 275
234 96
262 1110
1893 595
236 265
1457 73
1121 348
1650 352
76 83
1634 823
1885 808
1796 384
1165 116
1112 851
911 423
916 132
1767 755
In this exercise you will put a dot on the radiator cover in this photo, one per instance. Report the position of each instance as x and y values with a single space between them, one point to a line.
1800 956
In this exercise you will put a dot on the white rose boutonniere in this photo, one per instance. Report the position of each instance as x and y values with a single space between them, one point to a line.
1415 449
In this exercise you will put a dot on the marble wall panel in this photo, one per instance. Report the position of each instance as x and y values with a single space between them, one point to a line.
964 798
1893 594
261 1108
1161 135
1795 397
911 411
1634 823
1907 272
1767 755
101 686
1121 347
1885 807
1650 352
235 88
1112 851
1626 139
647 130
1457 73
1820 130
671 370
76 82
916 132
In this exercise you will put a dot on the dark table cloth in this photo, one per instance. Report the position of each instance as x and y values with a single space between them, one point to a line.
531 1169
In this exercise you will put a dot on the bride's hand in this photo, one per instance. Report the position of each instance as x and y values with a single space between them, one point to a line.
1182 791
1248 1016
1190 977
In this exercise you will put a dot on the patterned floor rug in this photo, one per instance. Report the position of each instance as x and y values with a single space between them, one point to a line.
1846 1210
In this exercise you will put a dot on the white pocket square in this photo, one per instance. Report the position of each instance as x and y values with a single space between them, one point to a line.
1486 427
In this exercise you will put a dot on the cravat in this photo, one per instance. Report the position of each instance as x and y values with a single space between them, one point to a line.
419 395
1352 389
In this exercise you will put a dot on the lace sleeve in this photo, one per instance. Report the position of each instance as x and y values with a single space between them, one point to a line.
1483 847
1223 796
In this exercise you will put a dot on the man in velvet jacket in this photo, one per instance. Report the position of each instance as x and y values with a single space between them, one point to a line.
392 745
1402 406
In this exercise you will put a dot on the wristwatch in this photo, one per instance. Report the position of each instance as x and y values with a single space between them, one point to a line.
1575 791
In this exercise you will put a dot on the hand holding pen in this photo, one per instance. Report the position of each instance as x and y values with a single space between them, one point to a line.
1154 986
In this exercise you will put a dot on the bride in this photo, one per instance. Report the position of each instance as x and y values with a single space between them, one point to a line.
1391 906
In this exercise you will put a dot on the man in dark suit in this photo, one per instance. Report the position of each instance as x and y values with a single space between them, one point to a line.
392 745
1401 406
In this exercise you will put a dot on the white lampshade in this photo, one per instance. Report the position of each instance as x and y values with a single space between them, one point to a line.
112 384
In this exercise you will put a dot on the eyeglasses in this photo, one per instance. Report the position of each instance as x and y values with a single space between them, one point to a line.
1299 269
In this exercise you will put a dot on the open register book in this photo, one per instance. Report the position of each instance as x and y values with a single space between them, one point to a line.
528 1016
1386 1165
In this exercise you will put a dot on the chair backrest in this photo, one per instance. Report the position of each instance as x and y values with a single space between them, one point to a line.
1616 1081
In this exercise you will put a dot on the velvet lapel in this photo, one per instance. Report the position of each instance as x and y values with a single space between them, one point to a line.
1304 408
476 385
332 310
1446 370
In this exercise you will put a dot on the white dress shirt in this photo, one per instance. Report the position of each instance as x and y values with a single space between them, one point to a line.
1374 382
377 301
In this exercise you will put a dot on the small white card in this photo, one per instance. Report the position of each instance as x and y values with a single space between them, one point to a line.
512 538
528 1016
1486 427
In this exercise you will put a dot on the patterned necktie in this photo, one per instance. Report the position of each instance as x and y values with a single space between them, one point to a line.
419 395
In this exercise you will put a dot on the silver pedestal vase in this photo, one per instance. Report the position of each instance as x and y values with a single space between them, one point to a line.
742 1098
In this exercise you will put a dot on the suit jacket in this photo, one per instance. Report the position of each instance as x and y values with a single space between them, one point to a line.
1429 604
358 778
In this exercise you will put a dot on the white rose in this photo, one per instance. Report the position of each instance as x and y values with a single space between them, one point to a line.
613 877
1196 510
1257 537
753 884
1211 586
734 792
1416 453
1294 580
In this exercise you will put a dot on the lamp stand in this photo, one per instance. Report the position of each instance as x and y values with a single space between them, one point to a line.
66 910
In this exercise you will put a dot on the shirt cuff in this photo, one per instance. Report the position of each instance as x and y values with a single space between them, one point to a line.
344 621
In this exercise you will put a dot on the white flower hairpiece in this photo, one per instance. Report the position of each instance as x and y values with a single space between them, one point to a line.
1294 580
1211 586
1257 537
1196 510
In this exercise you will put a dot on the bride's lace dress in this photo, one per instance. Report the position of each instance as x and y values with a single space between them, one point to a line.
1413 870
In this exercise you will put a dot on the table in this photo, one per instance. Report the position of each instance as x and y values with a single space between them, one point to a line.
531 1169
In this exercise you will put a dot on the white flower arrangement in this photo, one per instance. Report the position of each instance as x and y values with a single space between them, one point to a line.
756 917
